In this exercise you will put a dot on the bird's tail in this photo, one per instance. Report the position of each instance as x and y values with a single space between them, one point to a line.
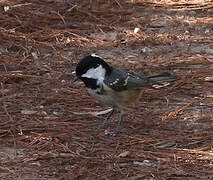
164 77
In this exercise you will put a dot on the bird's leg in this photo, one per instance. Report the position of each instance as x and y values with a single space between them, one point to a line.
121 117
105 122
119 128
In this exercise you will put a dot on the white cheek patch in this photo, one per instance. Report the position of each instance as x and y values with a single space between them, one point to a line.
96 73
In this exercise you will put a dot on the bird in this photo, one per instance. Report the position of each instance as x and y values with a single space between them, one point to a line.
113 86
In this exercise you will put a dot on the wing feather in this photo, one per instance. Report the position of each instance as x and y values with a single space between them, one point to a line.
120 80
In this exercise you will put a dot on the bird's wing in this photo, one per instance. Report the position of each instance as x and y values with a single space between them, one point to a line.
120 80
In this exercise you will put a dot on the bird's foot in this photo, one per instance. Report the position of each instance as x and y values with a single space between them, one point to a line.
117 131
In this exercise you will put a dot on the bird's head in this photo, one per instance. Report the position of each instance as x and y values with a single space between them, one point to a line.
92 70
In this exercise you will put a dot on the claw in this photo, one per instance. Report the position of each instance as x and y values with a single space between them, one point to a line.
118 130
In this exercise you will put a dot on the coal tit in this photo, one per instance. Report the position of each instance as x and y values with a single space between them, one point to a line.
112 86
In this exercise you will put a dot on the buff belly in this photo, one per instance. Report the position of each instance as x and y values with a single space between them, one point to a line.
116 99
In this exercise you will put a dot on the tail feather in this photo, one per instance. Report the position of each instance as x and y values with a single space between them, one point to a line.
164 77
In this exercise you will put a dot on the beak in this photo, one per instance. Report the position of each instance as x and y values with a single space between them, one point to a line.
76 79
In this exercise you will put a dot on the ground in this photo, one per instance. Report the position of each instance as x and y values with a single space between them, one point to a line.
49 124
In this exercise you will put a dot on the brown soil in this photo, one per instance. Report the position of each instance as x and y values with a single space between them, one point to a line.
46 129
